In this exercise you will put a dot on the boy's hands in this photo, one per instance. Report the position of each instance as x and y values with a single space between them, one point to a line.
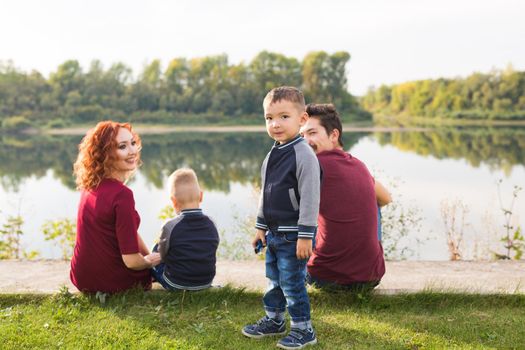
304 248
259 235
304 245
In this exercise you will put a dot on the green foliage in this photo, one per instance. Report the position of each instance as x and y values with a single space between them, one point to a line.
57 123
191 91
513 239
496 95
167 212
212 319
239 247
398 223
10 240
63 232
17 123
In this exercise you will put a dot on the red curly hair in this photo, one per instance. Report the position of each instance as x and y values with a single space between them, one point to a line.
97 153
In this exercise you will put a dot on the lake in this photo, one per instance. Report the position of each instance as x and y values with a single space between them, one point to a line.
440 178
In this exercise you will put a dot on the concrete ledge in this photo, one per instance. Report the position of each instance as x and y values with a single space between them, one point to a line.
47 276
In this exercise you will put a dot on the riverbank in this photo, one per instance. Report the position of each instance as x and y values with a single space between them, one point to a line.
168 129
507 277
414 121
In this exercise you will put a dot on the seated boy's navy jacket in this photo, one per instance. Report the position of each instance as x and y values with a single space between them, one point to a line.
188 246
291 179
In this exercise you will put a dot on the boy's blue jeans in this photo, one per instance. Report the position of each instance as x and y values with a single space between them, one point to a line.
158 271
286 277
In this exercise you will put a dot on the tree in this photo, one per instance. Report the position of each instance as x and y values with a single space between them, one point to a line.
270 70
325 80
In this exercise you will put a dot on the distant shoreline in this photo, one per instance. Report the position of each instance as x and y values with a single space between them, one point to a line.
145 129
165 129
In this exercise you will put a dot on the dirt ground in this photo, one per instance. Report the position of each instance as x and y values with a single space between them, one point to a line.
47 276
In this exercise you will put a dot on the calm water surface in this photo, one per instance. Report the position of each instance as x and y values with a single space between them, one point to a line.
424 171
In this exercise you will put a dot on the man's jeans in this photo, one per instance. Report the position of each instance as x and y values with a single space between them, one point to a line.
356 287
379 226
286 277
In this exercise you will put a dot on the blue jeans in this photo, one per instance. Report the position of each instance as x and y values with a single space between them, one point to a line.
379 228
332 286
158 273
286 277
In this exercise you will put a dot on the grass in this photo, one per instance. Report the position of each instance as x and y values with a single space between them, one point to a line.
212 320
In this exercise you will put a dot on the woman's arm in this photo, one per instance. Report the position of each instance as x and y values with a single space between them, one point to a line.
134 252
139 262
143 249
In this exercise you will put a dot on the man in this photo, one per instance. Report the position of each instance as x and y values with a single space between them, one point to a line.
347 253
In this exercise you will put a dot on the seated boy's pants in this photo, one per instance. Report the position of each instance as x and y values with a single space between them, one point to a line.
286 277
158 271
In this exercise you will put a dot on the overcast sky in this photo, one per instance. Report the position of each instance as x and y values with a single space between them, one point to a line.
390 41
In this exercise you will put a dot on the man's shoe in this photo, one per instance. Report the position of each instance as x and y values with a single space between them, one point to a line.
298 339
264 327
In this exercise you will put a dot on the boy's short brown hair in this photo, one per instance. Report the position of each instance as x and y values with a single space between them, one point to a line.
184 186
328 118
287 93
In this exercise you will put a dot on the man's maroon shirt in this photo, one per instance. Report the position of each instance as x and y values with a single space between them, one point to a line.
347 249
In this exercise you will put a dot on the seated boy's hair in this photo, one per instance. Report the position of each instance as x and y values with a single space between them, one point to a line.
328 118
287 93
184 186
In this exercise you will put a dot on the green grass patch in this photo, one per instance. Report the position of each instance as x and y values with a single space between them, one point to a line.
213 319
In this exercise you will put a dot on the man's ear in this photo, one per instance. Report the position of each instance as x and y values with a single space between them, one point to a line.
334 137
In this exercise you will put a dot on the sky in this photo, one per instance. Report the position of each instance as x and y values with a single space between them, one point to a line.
390 41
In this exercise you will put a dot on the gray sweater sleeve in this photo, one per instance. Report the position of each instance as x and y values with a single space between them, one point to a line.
309 184
165 236
261 222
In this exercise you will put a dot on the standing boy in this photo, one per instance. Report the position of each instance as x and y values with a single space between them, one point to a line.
189 241
287 220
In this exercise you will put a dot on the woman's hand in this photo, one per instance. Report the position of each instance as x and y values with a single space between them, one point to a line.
139 262
153 259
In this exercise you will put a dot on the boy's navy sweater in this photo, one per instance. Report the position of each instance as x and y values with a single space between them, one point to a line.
291 179
187 246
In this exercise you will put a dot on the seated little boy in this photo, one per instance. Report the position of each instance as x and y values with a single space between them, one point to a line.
188 242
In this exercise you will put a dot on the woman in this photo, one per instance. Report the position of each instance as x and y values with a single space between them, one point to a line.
109 255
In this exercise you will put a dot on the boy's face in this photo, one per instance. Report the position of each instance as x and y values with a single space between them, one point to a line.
283 120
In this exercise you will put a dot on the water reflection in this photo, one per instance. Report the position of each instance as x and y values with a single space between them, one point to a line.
500 148
218 158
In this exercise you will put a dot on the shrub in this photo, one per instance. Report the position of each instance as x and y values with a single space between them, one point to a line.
16 123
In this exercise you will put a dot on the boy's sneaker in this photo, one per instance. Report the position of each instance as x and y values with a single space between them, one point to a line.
264 327
298 339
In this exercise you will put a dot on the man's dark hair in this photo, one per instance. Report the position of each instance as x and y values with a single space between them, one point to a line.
287 93
328 118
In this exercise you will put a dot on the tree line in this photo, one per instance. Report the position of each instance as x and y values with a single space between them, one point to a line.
499 94
197 90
